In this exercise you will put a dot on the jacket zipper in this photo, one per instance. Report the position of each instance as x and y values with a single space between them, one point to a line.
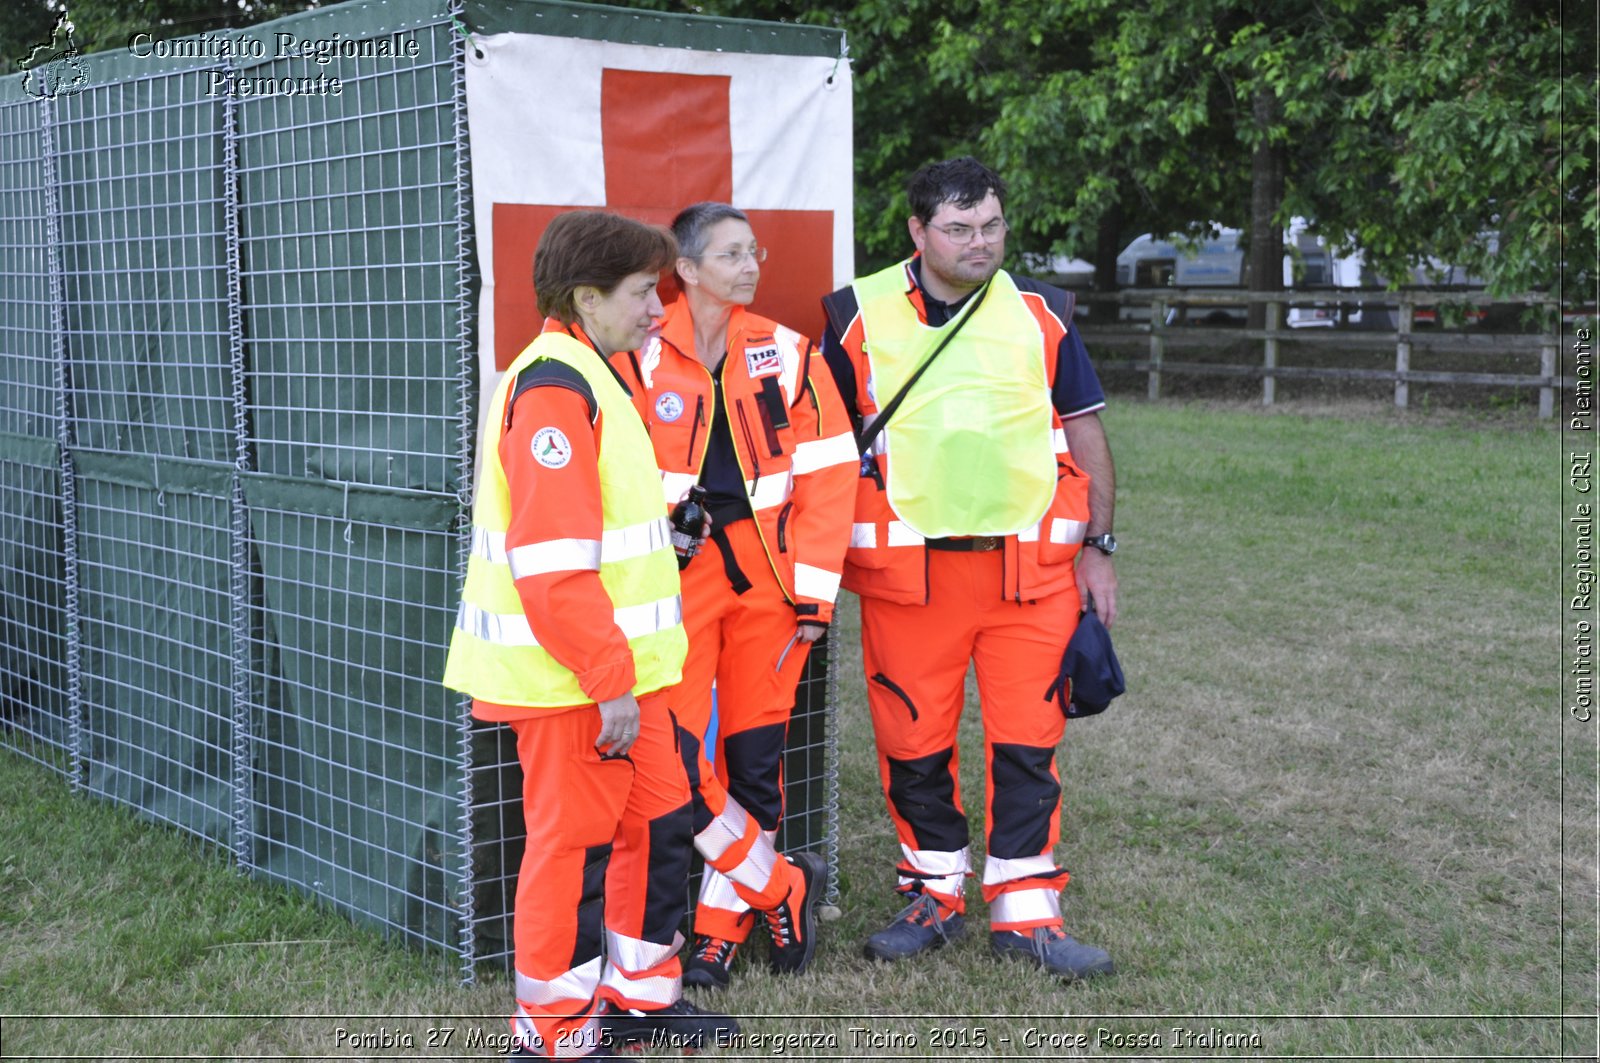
694 427
783 519
894 688
749 442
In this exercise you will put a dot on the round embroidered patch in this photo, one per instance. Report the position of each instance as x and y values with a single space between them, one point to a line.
551 448
669 407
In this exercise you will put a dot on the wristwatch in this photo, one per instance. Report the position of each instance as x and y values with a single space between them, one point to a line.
1106 544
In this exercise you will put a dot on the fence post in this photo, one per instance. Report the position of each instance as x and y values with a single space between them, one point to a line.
1547 360
1269 382
1158 322
1402 355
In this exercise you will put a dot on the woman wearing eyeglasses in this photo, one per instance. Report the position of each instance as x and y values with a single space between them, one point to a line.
738 404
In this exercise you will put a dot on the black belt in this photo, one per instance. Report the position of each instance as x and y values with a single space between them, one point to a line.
967 544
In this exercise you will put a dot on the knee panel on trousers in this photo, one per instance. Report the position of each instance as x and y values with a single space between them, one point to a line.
591 906
923 793
689 748
753 760
1024 796
671 849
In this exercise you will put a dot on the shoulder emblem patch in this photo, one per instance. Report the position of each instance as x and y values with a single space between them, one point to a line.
551 448
764 360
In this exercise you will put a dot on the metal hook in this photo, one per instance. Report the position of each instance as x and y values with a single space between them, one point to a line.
155 478
349 526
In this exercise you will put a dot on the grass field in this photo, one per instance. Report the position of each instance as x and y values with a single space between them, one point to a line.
1325 821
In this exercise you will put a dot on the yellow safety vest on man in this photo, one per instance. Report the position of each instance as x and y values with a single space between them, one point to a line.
971 448
494 655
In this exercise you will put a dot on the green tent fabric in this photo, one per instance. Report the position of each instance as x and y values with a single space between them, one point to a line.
357 780
155 615
33 638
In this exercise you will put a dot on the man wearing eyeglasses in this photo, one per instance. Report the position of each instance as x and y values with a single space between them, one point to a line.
977 494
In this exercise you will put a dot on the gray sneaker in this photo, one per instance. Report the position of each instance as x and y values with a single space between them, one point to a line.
1053 949
915 928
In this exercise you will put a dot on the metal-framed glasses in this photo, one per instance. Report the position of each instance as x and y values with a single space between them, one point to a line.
736 256
960 234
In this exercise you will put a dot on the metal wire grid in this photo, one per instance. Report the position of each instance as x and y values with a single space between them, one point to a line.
27 373
34 716
334 274
140 186
810 768
351 271
355 792
154 591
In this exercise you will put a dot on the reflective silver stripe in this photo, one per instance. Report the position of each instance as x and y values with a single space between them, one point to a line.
900 534
880 441
633 954
1058 440
636 621
574 1044
816 454
937 869
574 555
997 870
813 582
554 555
512 629
1065 531
489 545
576 984
659 990
674 485
716 891
723 831
755 870
1062 532
636 540
1025 906
769 491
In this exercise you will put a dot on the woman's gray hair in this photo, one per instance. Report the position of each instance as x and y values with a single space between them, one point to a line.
693 225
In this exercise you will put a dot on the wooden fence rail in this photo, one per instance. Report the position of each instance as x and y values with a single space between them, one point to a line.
1163 335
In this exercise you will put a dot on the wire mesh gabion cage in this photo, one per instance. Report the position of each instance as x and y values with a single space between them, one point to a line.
238 380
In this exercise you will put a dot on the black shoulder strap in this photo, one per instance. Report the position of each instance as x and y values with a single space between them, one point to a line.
547 372
865 438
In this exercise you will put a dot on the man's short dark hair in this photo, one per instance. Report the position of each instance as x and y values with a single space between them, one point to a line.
963 182
594 248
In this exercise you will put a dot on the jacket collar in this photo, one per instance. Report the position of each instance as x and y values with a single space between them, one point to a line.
677 326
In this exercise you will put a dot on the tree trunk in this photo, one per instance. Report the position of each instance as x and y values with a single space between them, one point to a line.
1107 245
1265 265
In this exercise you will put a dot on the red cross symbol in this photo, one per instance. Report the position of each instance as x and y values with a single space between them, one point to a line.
667 142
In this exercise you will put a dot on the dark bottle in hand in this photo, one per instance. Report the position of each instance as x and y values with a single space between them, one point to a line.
688 522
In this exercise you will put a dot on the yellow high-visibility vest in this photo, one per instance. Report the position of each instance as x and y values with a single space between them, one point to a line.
970 450
494 655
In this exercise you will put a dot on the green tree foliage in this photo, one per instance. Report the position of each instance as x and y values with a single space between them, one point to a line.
106 25
1408 131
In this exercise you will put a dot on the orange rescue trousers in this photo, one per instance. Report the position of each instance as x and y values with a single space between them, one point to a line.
600 894
738 641
916 659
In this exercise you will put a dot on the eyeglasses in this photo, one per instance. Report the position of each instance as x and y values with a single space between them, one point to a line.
757 255
960 234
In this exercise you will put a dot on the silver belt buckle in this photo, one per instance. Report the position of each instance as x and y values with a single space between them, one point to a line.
986 542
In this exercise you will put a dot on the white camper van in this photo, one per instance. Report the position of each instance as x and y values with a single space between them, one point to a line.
1219 262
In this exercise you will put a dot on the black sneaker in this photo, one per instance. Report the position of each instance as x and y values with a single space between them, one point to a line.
679 1025
710 962
793 923
1052 949
916 928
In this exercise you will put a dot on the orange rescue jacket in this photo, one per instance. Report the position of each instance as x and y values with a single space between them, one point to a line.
796 451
